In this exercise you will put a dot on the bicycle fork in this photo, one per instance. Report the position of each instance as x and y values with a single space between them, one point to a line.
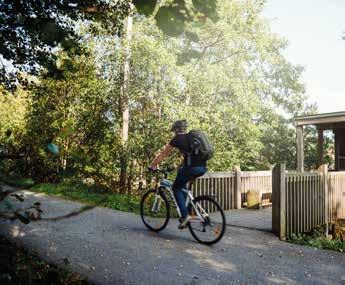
156 204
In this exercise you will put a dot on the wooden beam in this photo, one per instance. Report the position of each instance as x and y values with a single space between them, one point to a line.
317 121
238 204
300 148
279 201
336 149
320 141
324 170
332 126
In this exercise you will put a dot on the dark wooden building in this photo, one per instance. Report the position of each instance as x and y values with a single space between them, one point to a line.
328 121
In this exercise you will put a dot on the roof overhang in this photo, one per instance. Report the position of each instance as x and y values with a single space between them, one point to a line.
327 120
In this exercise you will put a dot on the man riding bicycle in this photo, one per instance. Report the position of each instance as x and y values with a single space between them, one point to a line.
193 166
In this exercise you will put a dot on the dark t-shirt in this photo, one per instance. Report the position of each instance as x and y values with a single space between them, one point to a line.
181 142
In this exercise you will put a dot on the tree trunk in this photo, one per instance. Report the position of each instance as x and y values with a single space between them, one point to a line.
125 105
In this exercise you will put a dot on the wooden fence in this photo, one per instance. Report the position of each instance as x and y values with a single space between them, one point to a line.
230 188
260 181
223 185
303 200
336 195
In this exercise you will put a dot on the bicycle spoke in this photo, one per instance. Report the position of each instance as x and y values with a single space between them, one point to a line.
154 210
207 228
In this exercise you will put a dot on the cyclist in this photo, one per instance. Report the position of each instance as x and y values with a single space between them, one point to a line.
191 168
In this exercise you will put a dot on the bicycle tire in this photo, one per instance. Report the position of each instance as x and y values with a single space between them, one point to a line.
142 210
222 224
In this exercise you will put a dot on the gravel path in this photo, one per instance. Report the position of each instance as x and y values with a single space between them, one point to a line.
112 247
252 219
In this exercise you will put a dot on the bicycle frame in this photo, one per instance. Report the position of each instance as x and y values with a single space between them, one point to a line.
156 206
167 185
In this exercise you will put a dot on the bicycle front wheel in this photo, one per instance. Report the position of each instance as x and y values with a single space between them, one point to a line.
211 227
155 210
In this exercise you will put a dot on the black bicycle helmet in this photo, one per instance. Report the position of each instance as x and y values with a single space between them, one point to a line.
180 125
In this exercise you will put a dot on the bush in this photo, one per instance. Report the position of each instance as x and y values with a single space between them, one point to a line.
17 181
317 239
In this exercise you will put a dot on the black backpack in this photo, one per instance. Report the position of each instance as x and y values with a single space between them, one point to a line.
199 145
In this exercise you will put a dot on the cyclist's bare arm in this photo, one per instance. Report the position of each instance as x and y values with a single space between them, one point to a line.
161 156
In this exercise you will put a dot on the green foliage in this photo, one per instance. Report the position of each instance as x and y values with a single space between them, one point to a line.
16 181
233 81
31 29
70 112
13 109
317 240
278 140
145 7
227 77
310 148
77 191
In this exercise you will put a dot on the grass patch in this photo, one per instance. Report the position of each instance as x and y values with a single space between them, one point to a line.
76 191
16 181
89 195
317 239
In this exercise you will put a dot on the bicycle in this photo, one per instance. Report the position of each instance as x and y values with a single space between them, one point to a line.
155 211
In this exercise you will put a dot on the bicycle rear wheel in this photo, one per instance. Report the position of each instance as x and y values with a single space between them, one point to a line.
155 210
211 229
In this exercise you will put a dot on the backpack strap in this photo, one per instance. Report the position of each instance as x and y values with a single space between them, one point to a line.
188 154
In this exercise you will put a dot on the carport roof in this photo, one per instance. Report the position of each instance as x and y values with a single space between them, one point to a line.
321 119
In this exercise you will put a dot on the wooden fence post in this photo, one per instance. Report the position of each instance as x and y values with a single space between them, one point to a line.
238 203
300 148
324 170
279 201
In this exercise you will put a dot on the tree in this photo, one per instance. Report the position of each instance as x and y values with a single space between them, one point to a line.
13 109
221 76
233 71
30 30
279 140
229 78
71 112
311 159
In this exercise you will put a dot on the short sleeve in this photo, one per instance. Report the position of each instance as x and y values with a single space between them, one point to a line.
174 142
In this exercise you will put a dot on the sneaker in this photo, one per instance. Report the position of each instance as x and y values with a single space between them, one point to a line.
184 222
